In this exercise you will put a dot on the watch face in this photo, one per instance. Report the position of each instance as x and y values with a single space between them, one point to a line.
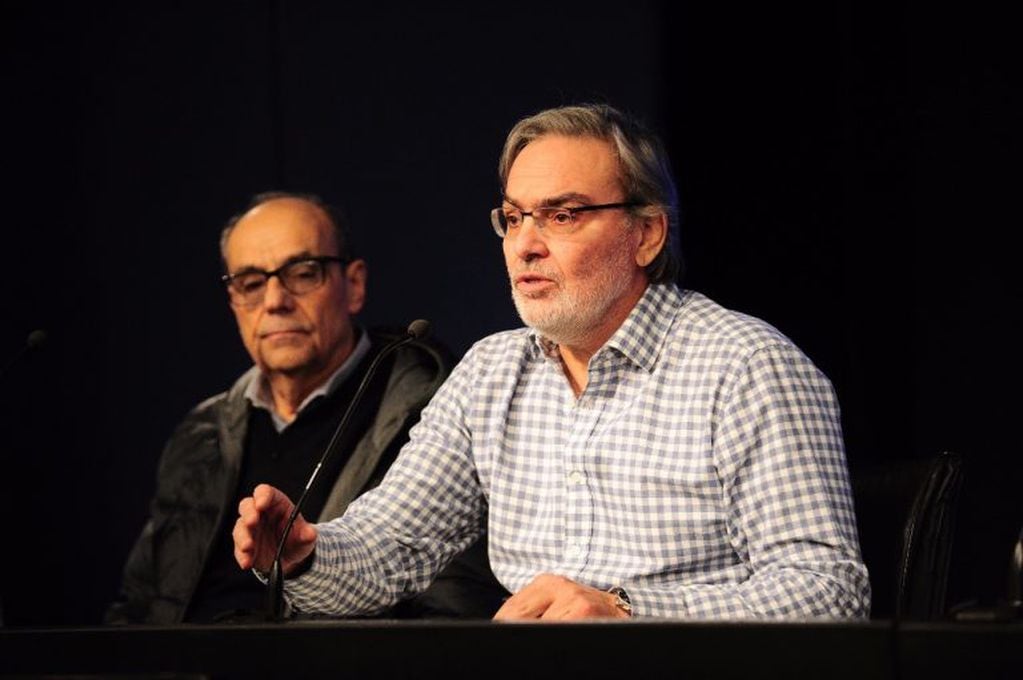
622 600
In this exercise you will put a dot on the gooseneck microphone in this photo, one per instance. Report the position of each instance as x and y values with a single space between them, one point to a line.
417 330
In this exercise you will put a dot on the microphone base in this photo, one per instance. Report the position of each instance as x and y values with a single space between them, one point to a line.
275 594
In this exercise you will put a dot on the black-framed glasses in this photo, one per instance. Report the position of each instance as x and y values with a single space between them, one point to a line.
552 219
298 276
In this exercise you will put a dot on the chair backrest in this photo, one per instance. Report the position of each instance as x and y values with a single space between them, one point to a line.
905 510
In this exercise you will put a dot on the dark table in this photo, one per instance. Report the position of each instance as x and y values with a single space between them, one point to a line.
431 649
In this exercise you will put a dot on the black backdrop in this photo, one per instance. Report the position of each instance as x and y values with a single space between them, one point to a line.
847 173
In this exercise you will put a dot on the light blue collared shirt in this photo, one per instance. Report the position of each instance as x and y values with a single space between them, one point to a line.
258 391
702 469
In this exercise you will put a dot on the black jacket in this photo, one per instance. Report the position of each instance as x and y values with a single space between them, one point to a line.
197 479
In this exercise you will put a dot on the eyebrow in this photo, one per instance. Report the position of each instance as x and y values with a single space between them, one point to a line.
249 269
556 201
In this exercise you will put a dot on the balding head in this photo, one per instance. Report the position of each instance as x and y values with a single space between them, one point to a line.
331 213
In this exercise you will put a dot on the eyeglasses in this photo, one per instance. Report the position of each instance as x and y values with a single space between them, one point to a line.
553 219
247 288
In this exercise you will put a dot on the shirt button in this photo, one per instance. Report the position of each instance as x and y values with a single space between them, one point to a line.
574 549
575 477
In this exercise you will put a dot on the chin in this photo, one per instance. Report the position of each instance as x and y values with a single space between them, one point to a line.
550 325
288 362
533 306
529 311
555 323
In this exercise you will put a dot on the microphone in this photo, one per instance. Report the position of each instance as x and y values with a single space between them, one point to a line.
1016 575
36 339
417 330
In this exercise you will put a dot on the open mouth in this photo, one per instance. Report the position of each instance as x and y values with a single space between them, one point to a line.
532 283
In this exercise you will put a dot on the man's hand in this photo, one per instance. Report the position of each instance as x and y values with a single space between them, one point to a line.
261 520
556 598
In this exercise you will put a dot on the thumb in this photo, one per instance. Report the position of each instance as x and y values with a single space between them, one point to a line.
304 531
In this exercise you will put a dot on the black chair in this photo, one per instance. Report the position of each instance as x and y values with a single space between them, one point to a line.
906 514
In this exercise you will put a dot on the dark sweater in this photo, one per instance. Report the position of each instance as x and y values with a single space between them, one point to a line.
284 460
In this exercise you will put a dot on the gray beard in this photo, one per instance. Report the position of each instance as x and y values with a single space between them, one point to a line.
571 316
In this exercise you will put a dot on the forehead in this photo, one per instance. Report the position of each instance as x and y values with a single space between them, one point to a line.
555 165
274 231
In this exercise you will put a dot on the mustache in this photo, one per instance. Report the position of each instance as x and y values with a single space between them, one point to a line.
535 271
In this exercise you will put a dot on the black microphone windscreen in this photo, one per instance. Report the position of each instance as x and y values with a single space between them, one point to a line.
419 329
36 338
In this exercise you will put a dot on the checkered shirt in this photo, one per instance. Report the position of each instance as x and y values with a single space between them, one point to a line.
702 469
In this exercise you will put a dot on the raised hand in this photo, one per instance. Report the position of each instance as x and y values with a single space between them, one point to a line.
261 521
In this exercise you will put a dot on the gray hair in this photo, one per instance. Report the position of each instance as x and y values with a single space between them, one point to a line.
334 215
643 166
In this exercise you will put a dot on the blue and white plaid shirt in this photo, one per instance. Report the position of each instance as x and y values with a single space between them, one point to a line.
702 469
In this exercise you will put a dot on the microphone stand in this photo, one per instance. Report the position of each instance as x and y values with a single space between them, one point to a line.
275 580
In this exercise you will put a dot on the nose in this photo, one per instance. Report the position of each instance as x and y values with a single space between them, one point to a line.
529 242
277 297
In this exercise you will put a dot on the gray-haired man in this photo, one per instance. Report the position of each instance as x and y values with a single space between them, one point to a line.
640 449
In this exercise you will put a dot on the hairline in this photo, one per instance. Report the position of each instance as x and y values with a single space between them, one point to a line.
330 214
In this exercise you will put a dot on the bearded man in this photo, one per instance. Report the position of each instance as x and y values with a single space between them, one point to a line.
636 450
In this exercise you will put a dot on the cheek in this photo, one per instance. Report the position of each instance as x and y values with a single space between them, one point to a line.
563 260
247 322
326 314
332 331
587 268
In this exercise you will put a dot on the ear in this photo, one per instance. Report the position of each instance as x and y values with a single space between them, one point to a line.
653 234
355 285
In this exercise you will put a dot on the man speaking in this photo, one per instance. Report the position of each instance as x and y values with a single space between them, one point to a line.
637 449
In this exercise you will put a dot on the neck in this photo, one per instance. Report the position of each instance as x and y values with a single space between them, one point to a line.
289 390
576 354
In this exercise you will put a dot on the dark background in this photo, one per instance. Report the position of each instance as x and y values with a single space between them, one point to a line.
847 173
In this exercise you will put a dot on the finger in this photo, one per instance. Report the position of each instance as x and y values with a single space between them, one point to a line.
512 610
244 560
564 606
272 503
529 603
306 533
247 511
241 536
243 545
570 610
263 496
582 603
301 544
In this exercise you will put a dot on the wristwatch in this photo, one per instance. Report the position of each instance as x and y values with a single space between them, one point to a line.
622 599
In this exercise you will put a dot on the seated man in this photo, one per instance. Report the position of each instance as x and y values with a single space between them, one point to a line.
637 449
294 286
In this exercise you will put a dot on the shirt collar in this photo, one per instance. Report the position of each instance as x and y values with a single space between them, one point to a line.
258 390
642 334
